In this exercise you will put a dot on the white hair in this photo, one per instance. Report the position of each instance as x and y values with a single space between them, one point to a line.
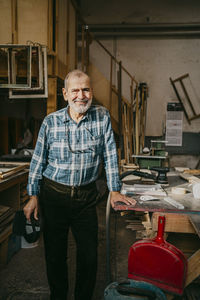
74 73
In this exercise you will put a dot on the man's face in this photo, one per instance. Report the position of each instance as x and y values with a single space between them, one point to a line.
79 94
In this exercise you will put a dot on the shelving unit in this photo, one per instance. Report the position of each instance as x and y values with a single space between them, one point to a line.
14 196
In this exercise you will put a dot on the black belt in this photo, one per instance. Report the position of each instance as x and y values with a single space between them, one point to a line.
62 188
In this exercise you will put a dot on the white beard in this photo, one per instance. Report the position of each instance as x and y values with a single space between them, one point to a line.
81 109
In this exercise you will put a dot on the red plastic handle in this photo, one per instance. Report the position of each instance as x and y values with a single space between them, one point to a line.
161 227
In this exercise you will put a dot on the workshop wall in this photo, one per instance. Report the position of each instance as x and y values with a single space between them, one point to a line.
151 59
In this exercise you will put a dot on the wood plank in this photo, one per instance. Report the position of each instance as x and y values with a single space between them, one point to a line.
52 95
193 267
195 221
190 178
16 169
137 141
174 223
192 171
14 22
13 180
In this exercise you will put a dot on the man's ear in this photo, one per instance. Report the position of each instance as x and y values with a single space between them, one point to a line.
64 94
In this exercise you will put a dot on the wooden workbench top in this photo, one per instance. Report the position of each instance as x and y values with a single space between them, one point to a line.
191 205
19 177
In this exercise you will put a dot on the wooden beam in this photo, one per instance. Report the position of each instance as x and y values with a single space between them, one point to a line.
115 126
49 25
14 22
137 133
123 99
56 39
83 48
119 77
52 95
111 76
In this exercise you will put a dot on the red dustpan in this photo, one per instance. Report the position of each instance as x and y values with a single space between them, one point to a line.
158 262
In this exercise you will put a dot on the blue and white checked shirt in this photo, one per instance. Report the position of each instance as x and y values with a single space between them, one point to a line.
70 153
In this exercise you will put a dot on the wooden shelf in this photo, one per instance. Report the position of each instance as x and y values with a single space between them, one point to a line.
14 195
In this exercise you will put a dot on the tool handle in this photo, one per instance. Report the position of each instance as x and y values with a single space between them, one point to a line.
161 227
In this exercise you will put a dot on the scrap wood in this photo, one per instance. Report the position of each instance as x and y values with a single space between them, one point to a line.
130 166
190 178
192 171
134 228
6 174
136 221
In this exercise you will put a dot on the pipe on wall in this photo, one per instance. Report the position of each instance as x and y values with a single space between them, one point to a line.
147 29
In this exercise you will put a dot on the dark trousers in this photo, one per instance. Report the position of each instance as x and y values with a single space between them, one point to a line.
63 209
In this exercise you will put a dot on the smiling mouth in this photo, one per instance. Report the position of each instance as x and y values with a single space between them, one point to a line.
81 101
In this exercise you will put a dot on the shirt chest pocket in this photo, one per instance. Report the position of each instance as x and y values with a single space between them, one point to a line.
94 144
58 149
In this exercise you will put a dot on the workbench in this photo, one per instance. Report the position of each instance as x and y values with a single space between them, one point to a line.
185 220
12 194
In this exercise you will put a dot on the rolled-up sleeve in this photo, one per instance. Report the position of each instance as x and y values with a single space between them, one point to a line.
38 162
110 157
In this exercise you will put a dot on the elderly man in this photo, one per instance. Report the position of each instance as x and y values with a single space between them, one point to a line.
71 144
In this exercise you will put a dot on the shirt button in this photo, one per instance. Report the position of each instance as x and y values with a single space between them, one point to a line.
77 141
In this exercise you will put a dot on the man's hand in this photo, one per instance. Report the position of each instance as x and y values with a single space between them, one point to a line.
31 206
117 197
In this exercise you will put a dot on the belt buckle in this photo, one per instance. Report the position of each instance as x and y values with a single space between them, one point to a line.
72 192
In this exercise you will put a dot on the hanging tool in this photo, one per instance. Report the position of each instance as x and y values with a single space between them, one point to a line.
187 98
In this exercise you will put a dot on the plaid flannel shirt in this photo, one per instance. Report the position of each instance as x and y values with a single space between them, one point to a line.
70 153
